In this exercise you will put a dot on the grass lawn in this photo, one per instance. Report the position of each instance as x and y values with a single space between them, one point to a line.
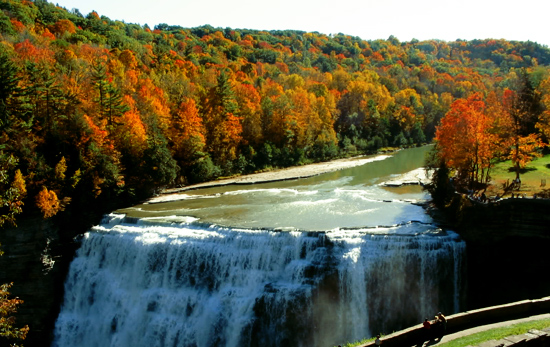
476 339
358 343
497 334
531 176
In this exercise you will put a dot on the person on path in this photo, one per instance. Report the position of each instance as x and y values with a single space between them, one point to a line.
427 333
377 341
442 325
427 324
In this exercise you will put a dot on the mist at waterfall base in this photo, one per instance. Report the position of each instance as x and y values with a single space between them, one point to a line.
169 276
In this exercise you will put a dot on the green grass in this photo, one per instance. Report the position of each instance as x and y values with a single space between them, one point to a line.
358 343
476 339
530 176
497 334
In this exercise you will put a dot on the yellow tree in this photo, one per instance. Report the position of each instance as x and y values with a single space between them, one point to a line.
325 138
543 124
409 110
361 106
48 203
523 146
275 108
11 193
249 99
302 119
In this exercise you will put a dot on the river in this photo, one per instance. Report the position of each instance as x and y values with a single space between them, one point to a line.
311 262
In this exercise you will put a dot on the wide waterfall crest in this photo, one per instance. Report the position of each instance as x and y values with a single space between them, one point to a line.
173 282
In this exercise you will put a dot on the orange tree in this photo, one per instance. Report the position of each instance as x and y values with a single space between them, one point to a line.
466 141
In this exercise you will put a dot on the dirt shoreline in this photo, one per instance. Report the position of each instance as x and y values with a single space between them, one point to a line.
295 172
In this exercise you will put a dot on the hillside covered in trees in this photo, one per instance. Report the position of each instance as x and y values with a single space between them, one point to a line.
94 110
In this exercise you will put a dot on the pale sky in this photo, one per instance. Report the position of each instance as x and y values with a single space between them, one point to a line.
446 20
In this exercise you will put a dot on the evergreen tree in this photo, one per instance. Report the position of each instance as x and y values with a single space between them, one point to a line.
9 90
114 106
110 99
43 94
159 168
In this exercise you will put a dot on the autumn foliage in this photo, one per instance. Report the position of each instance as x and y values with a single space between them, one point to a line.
48 203
479 131
97 113
8 306
102 112
466 140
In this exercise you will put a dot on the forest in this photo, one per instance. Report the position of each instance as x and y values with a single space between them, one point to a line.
96 113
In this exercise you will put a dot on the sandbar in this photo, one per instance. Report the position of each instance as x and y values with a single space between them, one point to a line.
294 172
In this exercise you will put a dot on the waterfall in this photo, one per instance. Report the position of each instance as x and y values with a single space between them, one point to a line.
147 282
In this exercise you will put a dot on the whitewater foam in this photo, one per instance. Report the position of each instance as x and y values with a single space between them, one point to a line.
158 282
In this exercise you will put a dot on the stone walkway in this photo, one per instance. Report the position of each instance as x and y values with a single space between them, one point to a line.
508 341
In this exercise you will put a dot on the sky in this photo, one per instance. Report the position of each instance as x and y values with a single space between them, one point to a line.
446 20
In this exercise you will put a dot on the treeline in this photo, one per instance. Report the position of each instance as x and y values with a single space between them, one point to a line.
479 131
94 110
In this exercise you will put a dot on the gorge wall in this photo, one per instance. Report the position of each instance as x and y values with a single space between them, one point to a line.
507 245
507 249
36 259
486 223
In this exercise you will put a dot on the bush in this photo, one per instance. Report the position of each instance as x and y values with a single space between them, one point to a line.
400 140
204 170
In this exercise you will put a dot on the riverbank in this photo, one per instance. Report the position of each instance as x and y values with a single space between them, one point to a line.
295 172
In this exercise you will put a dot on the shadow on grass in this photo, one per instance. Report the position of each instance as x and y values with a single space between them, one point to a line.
525 169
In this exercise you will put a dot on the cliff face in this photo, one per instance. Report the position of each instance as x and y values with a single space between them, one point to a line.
507 246
507 259
36 259
505 219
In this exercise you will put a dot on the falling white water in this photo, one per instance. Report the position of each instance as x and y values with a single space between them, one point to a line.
390 278
174 283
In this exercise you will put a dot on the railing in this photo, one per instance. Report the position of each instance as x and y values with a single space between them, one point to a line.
470 319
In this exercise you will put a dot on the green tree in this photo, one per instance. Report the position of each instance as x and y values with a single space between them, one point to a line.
12 189
44 94
521 142
110 100
441 188
222 123
159 168
9 90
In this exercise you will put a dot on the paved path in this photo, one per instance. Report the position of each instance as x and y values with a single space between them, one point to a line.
481 328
